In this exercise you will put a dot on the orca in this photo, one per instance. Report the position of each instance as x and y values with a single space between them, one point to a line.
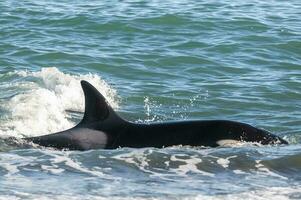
102 128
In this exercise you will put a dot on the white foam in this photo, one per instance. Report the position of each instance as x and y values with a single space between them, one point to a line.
137 157
41 109
52 169
238 171
224 162
12 162
275 193
58 158
263 170
189 165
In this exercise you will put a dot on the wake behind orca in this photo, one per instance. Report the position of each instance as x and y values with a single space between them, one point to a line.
102 128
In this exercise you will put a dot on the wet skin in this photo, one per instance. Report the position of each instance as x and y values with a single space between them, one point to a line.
102 128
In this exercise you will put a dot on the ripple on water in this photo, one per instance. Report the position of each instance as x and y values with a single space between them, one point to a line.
170 60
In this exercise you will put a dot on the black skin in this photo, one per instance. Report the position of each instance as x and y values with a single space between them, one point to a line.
192 133
102 128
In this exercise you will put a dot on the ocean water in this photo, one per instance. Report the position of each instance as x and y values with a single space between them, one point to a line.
153 61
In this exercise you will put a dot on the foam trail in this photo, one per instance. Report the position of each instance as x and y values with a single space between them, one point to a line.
48 93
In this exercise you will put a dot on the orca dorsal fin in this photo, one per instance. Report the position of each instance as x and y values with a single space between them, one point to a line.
96 106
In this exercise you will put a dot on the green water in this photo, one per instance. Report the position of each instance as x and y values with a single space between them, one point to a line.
155 61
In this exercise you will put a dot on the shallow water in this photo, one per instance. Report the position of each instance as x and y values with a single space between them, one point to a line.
154 61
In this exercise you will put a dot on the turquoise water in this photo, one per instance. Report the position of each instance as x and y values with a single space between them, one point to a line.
154 61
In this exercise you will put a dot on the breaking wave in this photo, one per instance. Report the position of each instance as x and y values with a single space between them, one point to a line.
228 173
37 103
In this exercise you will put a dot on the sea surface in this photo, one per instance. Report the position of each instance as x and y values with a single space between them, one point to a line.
154 61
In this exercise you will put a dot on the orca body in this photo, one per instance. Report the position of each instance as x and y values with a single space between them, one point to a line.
102 128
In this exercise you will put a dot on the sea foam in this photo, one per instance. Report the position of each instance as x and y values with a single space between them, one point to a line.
41 106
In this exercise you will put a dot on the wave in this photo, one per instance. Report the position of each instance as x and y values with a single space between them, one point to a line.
191 173
38 102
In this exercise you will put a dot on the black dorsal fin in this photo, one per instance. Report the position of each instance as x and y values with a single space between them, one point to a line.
96 106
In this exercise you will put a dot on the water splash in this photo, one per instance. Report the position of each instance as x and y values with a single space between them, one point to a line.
47 94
